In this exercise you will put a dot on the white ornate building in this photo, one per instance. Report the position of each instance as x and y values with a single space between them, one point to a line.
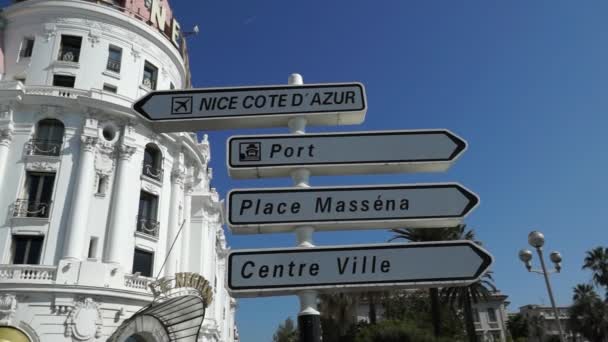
92 200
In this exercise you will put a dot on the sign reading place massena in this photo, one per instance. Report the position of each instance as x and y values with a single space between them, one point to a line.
253 107
343 153
254 211
285 271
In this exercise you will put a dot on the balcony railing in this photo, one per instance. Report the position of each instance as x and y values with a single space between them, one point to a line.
27 273
152 172
137 282
68 54
28 208
147 226
113 65
40 147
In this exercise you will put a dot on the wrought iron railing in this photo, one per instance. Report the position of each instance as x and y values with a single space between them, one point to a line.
113 65
29 208
147 226
69 54
41 147
152 172
149 82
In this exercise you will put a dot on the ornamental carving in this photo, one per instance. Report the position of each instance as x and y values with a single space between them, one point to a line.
178 176
135 52
84 321
125 152
5 112
8 307
94 36
104 161
89 144
49 31
42 165
6 136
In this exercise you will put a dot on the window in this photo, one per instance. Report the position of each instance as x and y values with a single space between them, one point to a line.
491 315
70 48
64 81
143 262
150 75
110 88
114 58
48 138
152 166
102 185
26 249
27 47
475 316
146 215
37 194
93 248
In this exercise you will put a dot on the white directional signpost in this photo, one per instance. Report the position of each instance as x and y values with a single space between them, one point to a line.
251 107
306 270
272 272
343 153
256 211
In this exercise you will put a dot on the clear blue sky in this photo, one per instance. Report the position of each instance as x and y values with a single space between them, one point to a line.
524 82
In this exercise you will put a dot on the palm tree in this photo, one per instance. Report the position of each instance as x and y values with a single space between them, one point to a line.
462 298
596 260
438 234
340 309
286 332
589 314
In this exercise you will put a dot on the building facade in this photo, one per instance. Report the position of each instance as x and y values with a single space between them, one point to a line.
490 317
542 323
95 205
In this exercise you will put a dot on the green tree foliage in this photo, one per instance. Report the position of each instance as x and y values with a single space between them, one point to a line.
462 298
589 314
596 260
396 331
286 332
440 234
518 326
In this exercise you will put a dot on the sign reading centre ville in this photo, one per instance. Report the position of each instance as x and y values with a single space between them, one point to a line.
254 211
343 153
253 107
284 271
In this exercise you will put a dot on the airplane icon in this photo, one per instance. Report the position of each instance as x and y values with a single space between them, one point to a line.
181 105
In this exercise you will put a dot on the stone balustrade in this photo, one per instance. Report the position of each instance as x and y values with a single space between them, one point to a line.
27 273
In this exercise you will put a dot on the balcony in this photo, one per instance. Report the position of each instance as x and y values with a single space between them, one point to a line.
27 273
146 225
153 172
40 147
138 282
27 208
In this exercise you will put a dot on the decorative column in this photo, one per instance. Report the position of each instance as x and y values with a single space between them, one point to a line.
185 251
120 221
6 136
177 192
81 200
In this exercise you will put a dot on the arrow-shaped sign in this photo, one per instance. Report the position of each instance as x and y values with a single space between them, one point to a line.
254 211
252 107
382 266
343 153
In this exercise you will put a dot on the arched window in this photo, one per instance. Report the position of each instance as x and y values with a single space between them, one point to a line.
153 160
48 138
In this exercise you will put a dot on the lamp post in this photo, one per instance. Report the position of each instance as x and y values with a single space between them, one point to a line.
536 239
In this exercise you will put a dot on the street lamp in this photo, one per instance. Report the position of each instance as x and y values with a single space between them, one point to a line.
536 239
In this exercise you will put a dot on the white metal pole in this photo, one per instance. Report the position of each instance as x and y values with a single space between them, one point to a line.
550 291
309 318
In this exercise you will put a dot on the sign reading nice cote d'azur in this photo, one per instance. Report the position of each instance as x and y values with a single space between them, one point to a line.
252 107
255 211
